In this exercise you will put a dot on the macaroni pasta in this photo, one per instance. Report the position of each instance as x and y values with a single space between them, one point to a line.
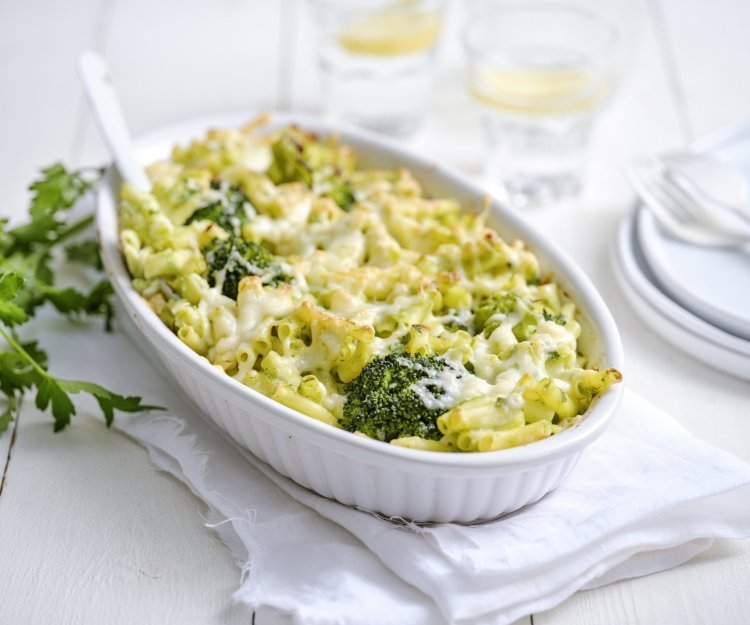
307 278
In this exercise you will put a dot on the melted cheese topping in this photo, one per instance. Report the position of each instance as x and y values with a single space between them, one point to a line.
388 269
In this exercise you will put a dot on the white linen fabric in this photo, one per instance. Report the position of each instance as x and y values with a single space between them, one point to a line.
645 497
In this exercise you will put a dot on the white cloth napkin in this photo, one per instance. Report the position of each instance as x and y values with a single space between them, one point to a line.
645 497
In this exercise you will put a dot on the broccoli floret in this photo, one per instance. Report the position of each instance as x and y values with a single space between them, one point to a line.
232 259
386 400
296 157
229 212
288 162
505 304
342 193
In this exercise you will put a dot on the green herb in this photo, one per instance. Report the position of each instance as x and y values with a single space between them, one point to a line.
492 310
296 159
559 319
27 281
85 253
230 260
26 251
342 192
384 403
288 162
229 212
553 355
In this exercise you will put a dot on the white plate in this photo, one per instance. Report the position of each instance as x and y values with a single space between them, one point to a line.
689 333
712 283
730 144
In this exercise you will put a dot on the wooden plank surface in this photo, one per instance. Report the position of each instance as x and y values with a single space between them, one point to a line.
90 533
82 542
711 589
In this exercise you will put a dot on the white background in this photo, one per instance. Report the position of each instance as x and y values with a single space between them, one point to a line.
89 532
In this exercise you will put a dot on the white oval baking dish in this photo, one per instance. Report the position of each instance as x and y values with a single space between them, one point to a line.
393 481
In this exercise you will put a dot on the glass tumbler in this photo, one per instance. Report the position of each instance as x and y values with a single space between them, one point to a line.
539 74
377 60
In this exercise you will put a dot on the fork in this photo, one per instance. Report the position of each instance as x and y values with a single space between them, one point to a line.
678 213
730 214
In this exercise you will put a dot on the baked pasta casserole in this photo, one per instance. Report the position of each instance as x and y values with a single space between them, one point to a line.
353 296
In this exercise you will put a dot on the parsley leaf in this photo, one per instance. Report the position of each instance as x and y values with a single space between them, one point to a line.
18 374
6 417
71 302
20 370
107 400
56 392
86 253
57 189
49 392
10 313
27 281
54 192
27 250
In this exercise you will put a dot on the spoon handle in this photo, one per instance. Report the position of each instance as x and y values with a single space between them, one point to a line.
100 92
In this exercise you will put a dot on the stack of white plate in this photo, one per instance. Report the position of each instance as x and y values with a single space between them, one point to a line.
697 298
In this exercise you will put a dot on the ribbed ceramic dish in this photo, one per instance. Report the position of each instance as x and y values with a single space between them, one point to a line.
393 481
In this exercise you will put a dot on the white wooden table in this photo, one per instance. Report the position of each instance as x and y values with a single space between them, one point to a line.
89 532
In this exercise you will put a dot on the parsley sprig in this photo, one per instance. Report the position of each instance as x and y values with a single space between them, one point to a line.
27 280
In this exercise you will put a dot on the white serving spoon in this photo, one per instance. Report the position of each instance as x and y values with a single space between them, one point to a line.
100 92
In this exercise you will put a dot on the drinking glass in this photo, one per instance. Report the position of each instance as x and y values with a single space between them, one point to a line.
539 74
377 60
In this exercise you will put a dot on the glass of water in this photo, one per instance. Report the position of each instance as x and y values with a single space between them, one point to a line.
377 60
539 74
